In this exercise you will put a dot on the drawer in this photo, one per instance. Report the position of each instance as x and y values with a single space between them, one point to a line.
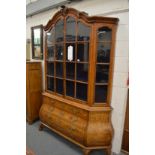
77 135
67 127
71 109
62 120
66 107
33 66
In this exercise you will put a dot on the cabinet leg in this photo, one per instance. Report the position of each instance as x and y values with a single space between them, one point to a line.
30 122
109 151
86 152
41 127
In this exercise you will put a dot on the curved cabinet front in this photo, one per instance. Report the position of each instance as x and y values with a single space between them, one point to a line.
88 128
66 119
99 130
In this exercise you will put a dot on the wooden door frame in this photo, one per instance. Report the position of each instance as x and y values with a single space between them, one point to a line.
127 107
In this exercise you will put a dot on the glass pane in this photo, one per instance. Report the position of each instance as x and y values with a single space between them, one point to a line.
50 83
81 91
59 51
37 33
50 53
82 72
59 86
103 52
83 32
59 31
59 69
102 73
70 88
50 36
70 29
100 93
37 52
104 34
70 52
83 52
70 70
50 69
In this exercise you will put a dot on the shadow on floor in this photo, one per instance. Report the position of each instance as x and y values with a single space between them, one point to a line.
47 142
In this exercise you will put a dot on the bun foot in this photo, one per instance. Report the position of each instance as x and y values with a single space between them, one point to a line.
86 152
30 122
109 151
41 127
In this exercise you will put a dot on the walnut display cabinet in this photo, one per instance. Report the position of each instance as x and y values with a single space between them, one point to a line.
79 58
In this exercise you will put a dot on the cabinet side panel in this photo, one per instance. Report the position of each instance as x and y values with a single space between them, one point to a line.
99 130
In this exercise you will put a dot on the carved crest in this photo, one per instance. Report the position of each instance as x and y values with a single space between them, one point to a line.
79 14
64 10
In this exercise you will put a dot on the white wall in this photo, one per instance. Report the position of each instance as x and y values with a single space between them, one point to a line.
113 8
121 68
30 1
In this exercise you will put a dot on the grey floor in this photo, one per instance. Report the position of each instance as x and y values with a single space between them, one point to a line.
47 142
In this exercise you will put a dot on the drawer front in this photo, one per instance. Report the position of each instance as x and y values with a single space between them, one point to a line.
68 108
64 119
76 133
34 65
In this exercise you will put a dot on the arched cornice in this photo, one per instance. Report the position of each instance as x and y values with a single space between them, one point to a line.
80 15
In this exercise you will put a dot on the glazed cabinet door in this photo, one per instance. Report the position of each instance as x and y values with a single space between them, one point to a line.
82 60
67 58
55 58
103 63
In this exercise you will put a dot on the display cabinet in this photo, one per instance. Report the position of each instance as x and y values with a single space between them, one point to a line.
79 58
